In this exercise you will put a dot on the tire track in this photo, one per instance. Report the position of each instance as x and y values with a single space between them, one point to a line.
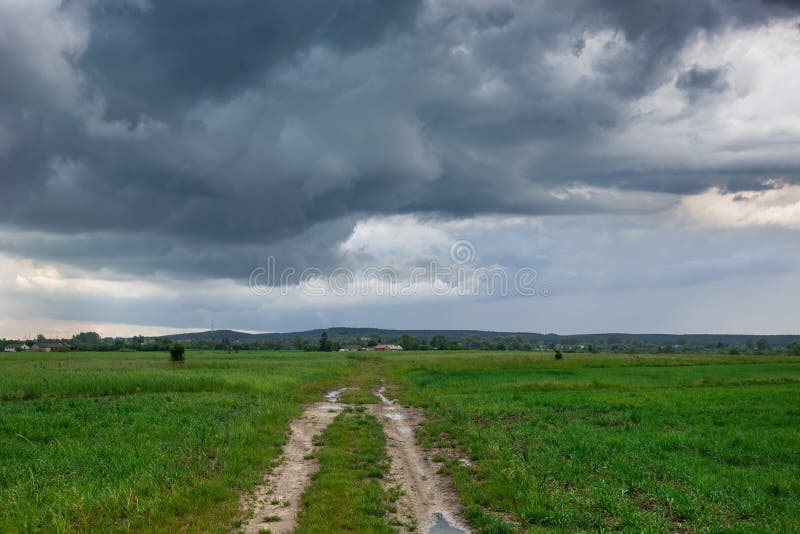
427 499
277 501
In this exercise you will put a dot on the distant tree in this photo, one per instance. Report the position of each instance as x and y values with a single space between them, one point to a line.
558 355
762 345
324 343
408 342
298 343
793 348
176 351
40 338
91 338
733 351
438 342
515 343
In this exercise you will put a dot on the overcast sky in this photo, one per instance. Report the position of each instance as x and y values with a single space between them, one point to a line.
640 158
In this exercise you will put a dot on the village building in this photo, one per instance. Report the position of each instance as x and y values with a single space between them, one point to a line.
15 348
351 348
47 347
387 347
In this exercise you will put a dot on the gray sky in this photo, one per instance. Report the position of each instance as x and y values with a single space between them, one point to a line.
641 157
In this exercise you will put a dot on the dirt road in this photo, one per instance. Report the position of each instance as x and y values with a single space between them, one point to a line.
428 499
277 501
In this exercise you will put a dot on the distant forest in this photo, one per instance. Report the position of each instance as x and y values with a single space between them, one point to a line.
333 339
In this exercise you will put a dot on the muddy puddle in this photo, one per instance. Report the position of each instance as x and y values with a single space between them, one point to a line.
381 394
333 395
442 526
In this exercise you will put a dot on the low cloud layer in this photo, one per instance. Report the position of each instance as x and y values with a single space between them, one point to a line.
170 143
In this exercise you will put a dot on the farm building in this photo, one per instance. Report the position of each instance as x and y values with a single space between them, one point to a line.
351 348
15 348
387 347
47 347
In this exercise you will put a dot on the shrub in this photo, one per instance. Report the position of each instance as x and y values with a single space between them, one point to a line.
559 356
176 351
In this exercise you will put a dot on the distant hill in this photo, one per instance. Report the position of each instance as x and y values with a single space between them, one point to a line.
345 334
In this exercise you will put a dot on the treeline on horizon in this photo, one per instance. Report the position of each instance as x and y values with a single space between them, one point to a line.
354 339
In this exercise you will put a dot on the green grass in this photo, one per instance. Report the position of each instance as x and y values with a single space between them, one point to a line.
345 494
115 442
616 443
112 442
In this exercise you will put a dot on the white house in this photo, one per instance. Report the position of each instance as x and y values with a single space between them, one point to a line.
15 348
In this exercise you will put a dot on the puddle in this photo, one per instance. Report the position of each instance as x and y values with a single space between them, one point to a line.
442 526
380 394
395 416
404 429
333 396
382 397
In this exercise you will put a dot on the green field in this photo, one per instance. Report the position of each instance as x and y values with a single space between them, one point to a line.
617 443
128 441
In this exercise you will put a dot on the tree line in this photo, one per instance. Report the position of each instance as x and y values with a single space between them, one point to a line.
91 341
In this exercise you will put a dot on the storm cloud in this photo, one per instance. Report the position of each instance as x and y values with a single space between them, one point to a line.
193 138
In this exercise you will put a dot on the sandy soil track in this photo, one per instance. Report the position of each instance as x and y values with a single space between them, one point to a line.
428 498
278 499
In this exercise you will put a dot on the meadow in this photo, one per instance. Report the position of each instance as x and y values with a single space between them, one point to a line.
129 441
615 443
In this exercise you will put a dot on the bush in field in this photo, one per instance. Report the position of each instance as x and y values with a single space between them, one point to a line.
793 348
176 351
559 356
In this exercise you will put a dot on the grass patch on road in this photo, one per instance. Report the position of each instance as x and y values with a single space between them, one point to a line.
345 495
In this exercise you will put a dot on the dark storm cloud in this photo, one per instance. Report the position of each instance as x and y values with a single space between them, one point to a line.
190 136
159 58
698 81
